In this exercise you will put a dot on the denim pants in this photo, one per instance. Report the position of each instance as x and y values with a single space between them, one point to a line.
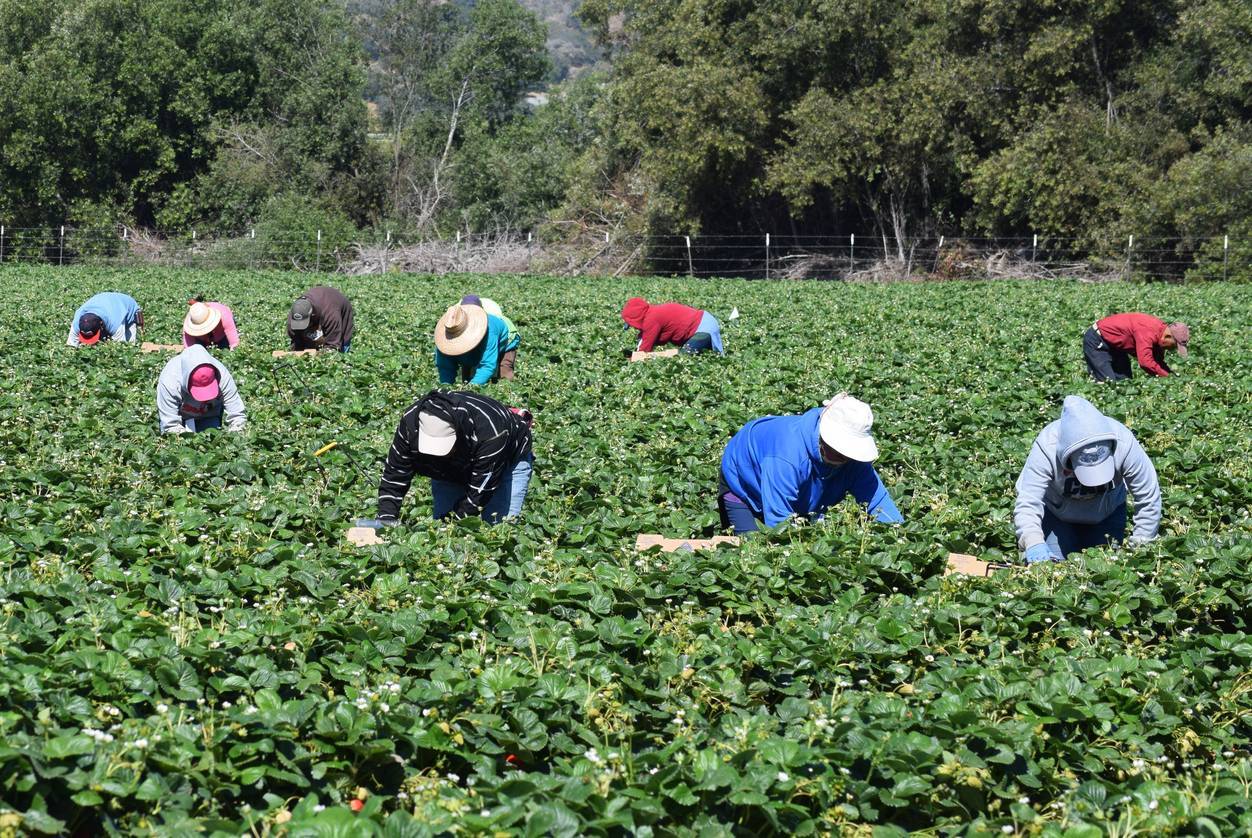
708 336
506 502
1064 538
734 513
1104 362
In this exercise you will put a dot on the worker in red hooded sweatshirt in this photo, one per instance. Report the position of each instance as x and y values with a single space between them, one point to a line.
1110 342
690 329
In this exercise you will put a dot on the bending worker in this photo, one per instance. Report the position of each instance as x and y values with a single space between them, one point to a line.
779 466
475 450
196 392
111 315
691 329
320 318
473 343
1109 343
1071 494
210 324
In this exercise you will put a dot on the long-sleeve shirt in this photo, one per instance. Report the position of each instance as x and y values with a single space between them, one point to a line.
224 336
332 324
1139 335
482 362
774 465
667 323
178 412
116 310
490 440
1047 481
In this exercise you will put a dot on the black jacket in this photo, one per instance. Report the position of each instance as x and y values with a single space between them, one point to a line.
490 440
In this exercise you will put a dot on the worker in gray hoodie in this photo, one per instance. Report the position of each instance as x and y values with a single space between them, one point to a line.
1071 494
196 392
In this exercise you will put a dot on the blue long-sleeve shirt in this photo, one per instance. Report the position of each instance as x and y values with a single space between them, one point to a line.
774 465
481 362
116 310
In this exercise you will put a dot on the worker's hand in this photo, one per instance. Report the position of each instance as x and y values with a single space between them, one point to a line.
1137 541
1040 553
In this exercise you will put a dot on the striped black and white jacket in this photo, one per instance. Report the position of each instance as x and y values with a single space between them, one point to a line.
490 440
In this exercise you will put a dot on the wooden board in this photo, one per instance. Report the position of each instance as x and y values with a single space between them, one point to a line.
646 540
364 536
149 346
971 566
283 353
660 353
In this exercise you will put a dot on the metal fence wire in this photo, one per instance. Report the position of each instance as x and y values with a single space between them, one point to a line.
766 256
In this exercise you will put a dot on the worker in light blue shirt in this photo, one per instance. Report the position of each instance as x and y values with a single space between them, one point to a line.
471 342
110 315
777 467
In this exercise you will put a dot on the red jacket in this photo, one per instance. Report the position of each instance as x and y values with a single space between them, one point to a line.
665 323
1137 334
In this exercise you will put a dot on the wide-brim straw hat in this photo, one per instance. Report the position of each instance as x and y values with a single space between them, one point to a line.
460 329
201 319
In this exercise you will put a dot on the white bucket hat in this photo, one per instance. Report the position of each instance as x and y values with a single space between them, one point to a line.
201 319
435 436
845 426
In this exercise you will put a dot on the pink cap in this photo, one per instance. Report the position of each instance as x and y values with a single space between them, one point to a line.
203 383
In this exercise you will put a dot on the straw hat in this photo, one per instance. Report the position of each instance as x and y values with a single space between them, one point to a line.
460 329
201 319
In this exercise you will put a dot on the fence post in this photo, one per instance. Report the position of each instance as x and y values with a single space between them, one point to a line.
690 268
767 255
319 251
1225 252
938 253
1 242
1034 248
851 252
61 253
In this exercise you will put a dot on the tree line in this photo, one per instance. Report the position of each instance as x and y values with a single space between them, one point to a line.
1080 121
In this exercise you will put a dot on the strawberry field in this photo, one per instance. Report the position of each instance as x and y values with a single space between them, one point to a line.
188 643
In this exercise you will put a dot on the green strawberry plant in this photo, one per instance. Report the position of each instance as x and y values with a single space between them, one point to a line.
187 642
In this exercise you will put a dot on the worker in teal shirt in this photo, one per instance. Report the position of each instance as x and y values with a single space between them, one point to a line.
470 341
777 467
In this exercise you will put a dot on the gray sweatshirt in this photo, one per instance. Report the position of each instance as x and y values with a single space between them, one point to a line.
178 412
1047 479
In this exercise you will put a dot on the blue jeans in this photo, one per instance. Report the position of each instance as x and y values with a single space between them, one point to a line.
708 336
734 513
1064 538
506 502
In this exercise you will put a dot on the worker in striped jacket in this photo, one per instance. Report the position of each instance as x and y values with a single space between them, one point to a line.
476 451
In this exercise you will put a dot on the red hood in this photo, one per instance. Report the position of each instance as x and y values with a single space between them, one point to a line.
634 311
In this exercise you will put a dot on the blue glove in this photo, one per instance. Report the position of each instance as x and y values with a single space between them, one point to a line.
375 523
1039 553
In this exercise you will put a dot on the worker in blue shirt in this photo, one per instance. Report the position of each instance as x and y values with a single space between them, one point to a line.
779 466
110 315
472 342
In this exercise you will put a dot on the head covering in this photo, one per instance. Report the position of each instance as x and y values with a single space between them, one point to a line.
491 307
201 319
435 436
202 383
1182 334
90 329
471 300
460 329
1093 464
634 311
300 316
845 426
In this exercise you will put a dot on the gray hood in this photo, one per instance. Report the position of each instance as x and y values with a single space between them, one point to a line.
175 406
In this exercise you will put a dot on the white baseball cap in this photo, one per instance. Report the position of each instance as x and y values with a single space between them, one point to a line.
845 426
435 436
1093 464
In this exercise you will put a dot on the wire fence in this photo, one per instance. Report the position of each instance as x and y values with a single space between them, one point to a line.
768 256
